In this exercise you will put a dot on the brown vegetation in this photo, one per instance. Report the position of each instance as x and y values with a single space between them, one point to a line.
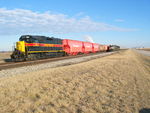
145 49
114 84
4 56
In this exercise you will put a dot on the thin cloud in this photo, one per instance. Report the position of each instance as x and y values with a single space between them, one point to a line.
21 21
119 20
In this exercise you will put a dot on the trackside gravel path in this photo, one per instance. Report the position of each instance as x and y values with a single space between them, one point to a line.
31 67
117 83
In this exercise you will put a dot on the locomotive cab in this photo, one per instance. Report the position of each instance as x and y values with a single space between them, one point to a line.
28 39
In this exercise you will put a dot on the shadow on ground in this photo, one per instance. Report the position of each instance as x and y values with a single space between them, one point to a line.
7 60
144 110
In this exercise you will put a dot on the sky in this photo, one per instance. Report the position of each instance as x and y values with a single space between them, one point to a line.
121 22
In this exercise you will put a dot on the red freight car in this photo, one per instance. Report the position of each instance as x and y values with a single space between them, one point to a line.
103 48
106 47
72 47
87 47
95 47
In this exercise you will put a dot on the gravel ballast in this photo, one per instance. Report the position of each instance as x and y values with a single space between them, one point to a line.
25 69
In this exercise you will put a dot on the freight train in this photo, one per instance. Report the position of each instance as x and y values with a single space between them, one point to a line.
31 47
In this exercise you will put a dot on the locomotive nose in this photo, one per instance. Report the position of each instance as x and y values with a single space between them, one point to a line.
17 56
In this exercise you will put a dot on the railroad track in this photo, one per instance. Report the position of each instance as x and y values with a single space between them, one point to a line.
9 65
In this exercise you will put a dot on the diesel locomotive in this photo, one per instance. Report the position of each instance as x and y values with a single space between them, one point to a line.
31 47
35 47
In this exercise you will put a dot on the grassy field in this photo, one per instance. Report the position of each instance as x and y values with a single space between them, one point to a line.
5 56
145 49
117 83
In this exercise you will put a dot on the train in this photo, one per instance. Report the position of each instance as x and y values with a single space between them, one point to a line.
32 47
114 47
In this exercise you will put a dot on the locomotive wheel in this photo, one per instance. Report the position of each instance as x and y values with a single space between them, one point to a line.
31 57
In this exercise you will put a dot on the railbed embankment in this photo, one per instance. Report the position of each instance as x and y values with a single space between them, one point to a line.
118 83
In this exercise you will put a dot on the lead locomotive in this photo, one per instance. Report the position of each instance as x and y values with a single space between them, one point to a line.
35 47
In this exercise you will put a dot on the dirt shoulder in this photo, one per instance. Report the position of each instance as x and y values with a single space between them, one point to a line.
114 84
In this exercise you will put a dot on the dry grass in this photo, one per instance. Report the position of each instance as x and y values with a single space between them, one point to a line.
4 56
114 84
145 49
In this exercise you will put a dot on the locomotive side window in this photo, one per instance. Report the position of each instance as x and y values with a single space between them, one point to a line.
50 40
34 40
